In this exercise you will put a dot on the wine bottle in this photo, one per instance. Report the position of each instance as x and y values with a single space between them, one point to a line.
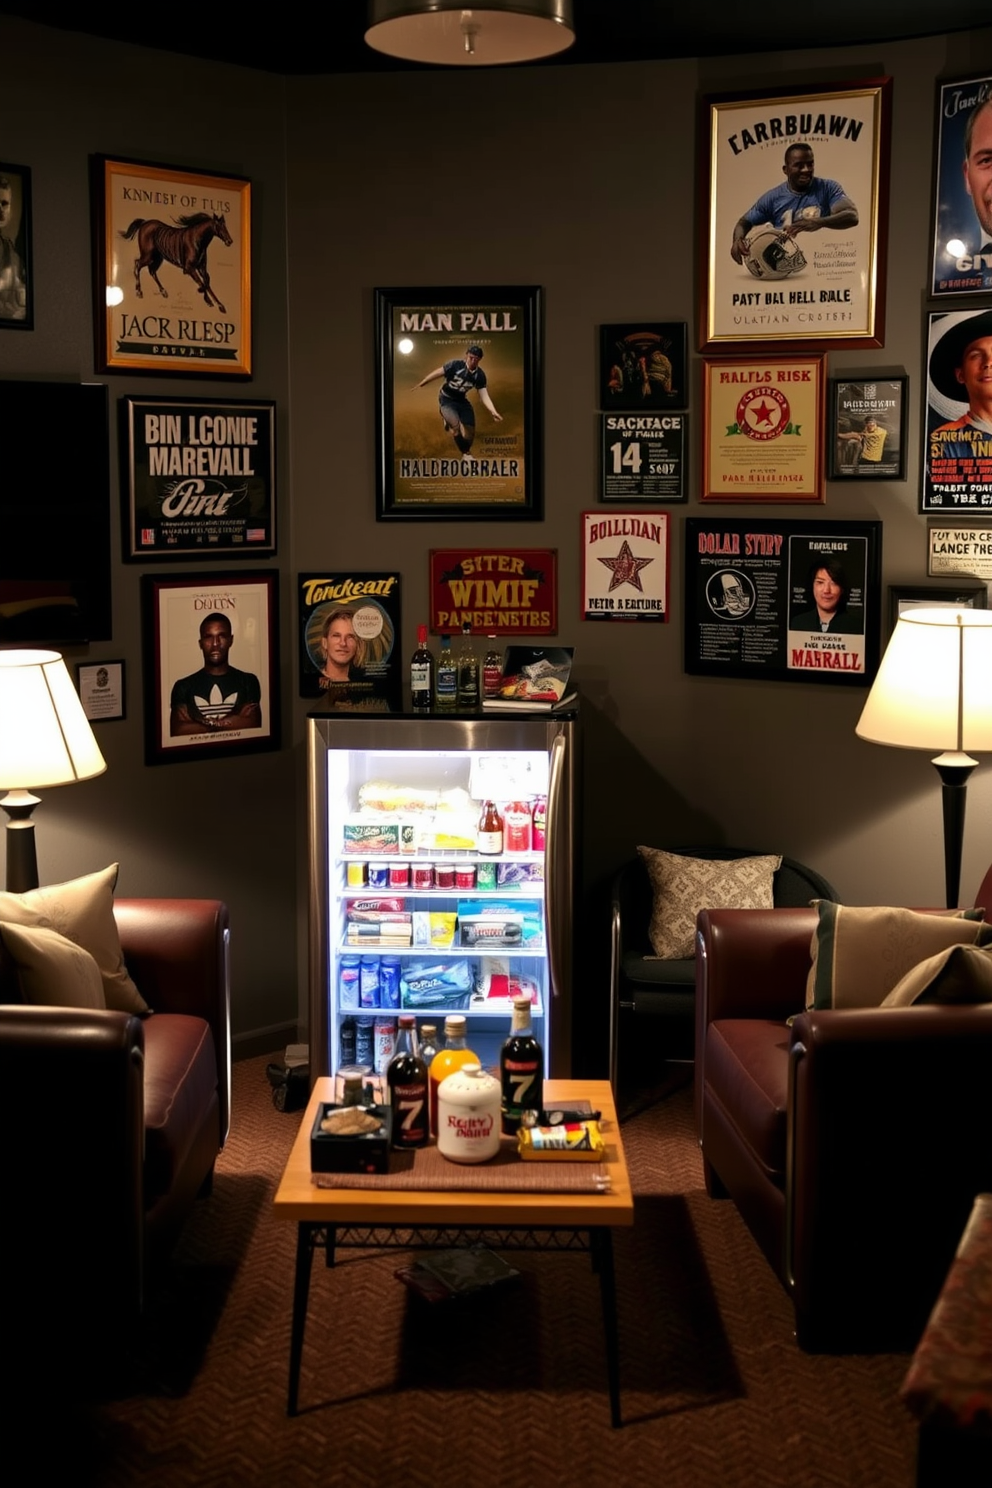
492 669
406 1080
521 1069
422 674
468 671
446 690
490 830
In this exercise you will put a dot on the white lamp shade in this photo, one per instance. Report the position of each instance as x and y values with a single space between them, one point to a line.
450 33
45 737
934 686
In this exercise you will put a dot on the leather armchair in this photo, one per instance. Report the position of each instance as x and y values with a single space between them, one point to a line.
853 1142
111 1126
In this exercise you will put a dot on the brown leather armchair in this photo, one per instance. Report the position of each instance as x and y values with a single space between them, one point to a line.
853 1142
111 1126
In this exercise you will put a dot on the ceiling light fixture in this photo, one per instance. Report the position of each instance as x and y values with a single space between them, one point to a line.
449 34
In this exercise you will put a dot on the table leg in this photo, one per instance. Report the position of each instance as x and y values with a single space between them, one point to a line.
301 1291
601 1245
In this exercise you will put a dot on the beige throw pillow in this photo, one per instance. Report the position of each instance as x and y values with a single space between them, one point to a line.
683 886
53 971
859 953
962 973
83 911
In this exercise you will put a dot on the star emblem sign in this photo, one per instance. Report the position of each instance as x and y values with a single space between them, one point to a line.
626 568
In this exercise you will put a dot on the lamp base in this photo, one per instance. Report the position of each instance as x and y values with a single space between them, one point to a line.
953 767
22 854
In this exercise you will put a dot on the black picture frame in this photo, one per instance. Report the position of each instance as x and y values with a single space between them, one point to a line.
16 267
853 451
911 596
961 263
174 608
198 477
424 472
643 366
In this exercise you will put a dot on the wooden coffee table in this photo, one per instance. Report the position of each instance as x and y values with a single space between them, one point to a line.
412 1219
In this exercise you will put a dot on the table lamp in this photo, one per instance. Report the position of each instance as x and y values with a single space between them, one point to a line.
45 739
934 691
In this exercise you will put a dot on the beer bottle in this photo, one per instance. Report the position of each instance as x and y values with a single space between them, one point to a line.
468 671
490 830
521 1069
406 1080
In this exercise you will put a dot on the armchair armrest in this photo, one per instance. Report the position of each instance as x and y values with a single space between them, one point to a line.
751 963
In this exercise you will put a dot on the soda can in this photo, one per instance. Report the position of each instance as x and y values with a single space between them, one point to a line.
364 1041
349 993
385 1043
423 875
356 875
485 875
378 875
369 982
389 982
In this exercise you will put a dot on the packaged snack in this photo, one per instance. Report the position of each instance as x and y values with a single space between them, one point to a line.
578 1141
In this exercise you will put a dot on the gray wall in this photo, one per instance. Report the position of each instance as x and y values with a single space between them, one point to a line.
582 180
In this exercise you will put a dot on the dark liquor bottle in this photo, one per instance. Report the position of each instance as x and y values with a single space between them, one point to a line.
406 1080
422 674
492 669
521 1069
446 693
468 671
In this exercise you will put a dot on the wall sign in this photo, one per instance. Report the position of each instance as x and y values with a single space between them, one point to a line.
496 591
959 549
962 222
625 565
763 427
644 457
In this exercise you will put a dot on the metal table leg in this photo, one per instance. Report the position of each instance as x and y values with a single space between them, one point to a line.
301 1290
601 1246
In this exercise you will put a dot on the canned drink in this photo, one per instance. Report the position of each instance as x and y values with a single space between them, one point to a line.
444 875
384 1043
369 982
465 876
356 875
365 1041
378 875
485 876
349 990
423 875
399 875
389 982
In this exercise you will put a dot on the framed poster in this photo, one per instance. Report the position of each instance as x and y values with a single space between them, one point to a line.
763 427
496 591
644 457
904 597
349 626
625 557
198 477
867 429
642 365
16 271
172 270
962 205
959 548
794 216
457 403
785 601
957 445
100 685
211 665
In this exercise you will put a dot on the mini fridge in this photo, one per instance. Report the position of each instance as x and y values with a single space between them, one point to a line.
406 914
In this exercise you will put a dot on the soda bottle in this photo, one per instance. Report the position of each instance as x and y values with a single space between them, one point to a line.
454 1054
422 674
516 827
446 693
538 820
521 1069
492 669
468 671
406 1080
490 830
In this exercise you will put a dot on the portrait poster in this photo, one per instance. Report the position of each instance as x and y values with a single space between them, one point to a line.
642 365
763 427
457 403
644 457
957 445
625 560
794 216
349 629
962 208
198 477
867 429
785 601
495 591
100 685
958 548
211 660
16 270
172 270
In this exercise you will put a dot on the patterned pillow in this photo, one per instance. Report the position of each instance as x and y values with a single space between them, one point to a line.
684 886
53 971
83 911
860 953
962 973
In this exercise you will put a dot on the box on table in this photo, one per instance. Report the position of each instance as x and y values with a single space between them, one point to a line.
365 1152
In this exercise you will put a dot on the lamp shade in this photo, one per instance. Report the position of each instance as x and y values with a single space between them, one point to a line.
933 689
449 33
45 737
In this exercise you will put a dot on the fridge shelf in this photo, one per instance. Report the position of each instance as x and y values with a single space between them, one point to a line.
428 953
444 855
482 1007
509 892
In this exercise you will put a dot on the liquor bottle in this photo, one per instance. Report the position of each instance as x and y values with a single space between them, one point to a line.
468 671
517 827
422 674
490 830
492 669
406 1078
521 1069
430 1044
446 686
454 1054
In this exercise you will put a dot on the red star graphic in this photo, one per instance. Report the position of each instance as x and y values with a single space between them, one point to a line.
764 413
626 568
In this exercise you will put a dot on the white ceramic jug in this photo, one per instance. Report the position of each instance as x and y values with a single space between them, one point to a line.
468 1115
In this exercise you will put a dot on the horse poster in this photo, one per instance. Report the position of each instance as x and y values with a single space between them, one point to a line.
173 270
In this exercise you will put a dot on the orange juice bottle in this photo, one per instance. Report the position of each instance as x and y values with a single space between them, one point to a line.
454 1054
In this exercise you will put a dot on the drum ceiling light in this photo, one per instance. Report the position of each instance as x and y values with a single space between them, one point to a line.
448 33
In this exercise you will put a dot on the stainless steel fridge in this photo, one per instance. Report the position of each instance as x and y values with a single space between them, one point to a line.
398 883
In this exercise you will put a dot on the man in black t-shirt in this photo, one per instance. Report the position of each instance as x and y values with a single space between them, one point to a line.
218 698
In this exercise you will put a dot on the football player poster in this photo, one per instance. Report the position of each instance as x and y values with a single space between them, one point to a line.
962 248
796 217
457 399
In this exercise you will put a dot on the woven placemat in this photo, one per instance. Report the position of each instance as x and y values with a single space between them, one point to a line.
505 1173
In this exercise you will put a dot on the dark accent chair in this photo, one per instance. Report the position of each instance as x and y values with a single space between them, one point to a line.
111 1126
853 1142
641 984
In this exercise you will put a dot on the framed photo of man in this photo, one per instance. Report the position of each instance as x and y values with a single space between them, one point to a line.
957 446
16 276
867 428
794 216
211 660
962 206
457 400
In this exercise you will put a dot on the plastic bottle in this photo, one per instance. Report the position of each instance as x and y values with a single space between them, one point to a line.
422 674
538 820
490 830
406 1080
468 671
521 1069
517 827
492 669
446 684
454 1054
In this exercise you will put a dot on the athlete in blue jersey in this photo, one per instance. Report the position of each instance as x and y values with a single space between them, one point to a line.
461 376
802 203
